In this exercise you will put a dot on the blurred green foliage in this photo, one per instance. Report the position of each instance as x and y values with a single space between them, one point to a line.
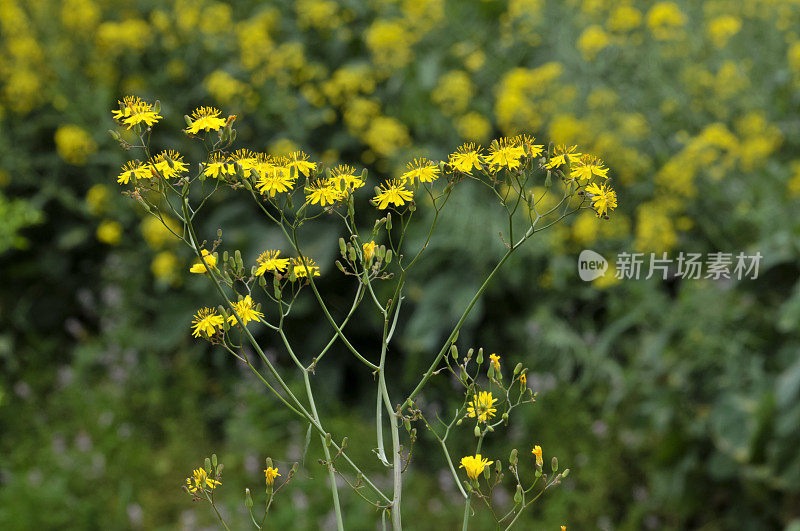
674 403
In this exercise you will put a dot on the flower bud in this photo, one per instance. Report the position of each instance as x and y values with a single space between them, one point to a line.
554 464
213 456
512 458
479 359
518 494
477 431
565 473
342 247
454 351
248 500
517 369
389 220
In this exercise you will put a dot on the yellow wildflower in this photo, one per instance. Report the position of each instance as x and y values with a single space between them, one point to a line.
74 144
603 198
504 153
482 406
494 359
523 380
529 145
205 119
474 465
323 193
423 170
269 261
135 170
299 161
218 165
133 111
246 159
369 250
209 258
277 179
200 481
206 320
344 177
465 158
562 155
169 164
299 266
394 193
537 451
246 310
586 166
271 473
109 232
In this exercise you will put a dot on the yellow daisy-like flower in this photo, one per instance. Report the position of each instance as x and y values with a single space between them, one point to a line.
205 119
132 111
562 155
537 451
494 359
206 320
529 145
394 193
423 170
246 310
587 166
169 164
369 251
603 198
474 465
345 179
277 179
218 165
299 161
271 473
323 193
200 481
269 261
523 380
482 406
246 159
504 153
134 170
299 266
209 258
466 158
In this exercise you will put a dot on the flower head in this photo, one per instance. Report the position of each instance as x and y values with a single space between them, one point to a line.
423 170
200 482
269 261
394 192
537 451
135 170
562 155
474 465
299 266
465 158
206 320
504 153
529 145
218 165
271 473
482 406
275 179
323 193
246 310
205 119
603 198
132 111
523 380
209 259
169 164
586 166
494 359
369 250
345 179
246 158
299 161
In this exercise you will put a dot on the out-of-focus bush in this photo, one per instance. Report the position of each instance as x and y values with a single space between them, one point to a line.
676 401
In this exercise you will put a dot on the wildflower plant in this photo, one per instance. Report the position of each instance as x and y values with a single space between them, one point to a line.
535 187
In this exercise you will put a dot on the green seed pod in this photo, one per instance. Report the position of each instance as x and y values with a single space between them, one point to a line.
239 261
490 372
512 458
342 247
213 456
459 421
233 135
454 351
351 253
339 266
225 256
388 256
517 369
498 466
408 425
479 359
565 473
487 472
389 220
350 206
262 282
248 500
554 464
477 431
114 135
505 417
518 495
207 465
538 472
489 428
